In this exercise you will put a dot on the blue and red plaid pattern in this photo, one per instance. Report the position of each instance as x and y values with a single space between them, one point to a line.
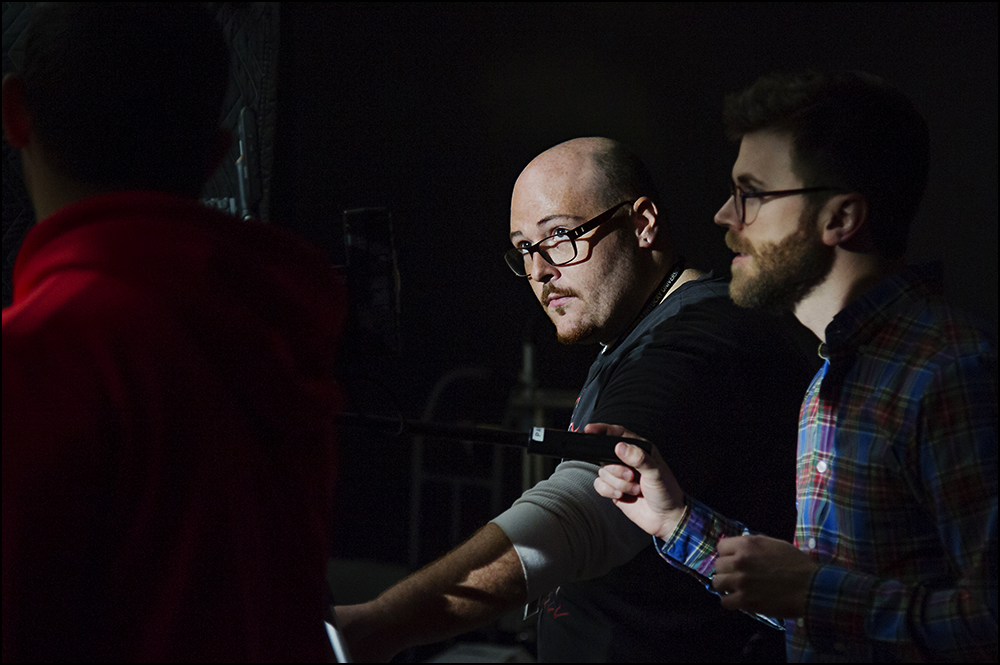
896 487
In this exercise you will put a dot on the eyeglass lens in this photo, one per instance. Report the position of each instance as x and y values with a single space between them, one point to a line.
746 207
738 200
556 250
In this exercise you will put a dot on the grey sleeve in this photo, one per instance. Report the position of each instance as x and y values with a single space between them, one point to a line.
564 531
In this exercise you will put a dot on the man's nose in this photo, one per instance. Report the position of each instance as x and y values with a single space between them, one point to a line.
727 214
542 270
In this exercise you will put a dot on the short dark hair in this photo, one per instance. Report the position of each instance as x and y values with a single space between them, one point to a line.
849 130
623 175
127 95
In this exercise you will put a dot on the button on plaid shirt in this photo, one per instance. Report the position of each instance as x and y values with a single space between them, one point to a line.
896 488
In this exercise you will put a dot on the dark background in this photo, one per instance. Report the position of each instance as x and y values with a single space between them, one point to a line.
432 110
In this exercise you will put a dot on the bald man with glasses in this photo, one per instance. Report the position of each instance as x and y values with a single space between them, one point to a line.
679 364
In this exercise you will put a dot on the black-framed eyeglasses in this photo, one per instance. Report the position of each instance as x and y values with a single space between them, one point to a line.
558 249
748 203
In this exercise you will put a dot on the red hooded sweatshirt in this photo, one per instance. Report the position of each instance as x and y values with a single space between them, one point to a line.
168 436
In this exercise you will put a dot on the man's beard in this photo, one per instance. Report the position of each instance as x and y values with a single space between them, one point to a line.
578 335
785 272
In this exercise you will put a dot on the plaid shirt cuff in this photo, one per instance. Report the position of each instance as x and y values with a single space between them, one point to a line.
692 545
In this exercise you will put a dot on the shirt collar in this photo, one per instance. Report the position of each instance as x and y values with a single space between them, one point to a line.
857 322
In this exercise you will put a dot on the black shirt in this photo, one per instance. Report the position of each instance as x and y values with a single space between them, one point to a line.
717 388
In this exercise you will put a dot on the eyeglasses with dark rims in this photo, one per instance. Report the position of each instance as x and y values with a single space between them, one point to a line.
748 203
558 249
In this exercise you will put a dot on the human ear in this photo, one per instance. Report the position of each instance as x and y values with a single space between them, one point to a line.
843 218
16 121
646 218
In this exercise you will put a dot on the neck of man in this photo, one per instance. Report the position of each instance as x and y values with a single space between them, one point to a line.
689 274
850 276
670 260
48 187
665 267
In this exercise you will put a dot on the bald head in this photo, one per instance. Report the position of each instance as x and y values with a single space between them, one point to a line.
595 169
592 293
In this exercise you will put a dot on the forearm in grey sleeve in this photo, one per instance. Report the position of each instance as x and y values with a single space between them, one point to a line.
563 530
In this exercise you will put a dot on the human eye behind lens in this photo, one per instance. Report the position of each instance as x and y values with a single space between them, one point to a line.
524 245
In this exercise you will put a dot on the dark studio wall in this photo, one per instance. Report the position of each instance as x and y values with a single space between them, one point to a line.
432 109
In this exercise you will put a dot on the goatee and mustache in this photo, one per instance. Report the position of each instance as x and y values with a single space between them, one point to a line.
779 275
574 336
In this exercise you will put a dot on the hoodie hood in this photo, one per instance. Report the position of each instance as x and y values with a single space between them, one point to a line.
264 308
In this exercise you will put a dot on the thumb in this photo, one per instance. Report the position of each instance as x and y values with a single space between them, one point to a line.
638 459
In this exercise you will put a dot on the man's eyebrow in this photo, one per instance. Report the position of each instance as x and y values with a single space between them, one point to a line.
549 218
545 220
747 179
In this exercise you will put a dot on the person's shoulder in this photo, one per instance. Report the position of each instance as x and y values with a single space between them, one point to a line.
925 326
706 293
66 302
705 305
709 323
705 288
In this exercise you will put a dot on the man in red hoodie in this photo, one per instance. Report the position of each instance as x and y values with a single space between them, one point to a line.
168 402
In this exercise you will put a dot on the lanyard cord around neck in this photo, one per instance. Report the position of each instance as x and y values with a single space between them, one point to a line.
653 301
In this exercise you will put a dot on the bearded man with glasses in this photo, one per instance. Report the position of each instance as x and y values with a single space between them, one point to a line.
895 551
681 364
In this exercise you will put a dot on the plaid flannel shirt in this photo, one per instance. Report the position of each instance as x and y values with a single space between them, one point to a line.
896 487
